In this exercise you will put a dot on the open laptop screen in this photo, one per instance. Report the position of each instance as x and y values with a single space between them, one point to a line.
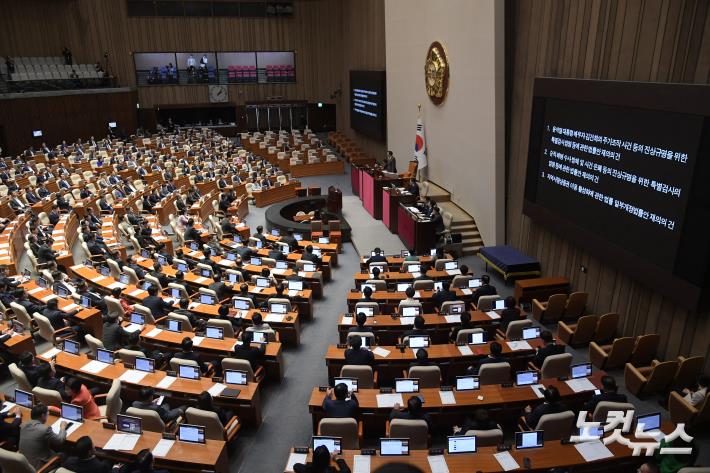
128 424
191 433
331 443
406 385
467 383
528 439
390 446
462 444
235 377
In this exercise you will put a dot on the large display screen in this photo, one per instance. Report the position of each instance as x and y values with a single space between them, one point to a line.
368 103
615 166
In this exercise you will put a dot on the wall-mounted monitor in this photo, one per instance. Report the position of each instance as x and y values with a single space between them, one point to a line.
368 103
617 168
37 133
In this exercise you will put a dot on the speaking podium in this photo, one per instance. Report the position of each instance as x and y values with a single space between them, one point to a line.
335 199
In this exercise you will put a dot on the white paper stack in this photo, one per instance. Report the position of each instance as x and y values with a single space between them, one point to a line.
536 388
292 293
522 345
133 328
361 464
493 314
162 448
447 397
74 425
122 442
154 332
406 320
197 340
347 320
465 350
294 458
437 464
580 384
166 382
50 353
466 291
70 307
379 351
506 460
217 389
93 367
389 400
452 319
133 376
136 292
453 272
274 318
592 451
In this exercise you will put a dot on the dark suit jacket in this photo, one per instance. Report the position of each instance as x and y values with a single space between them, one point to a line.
534 417
252 354
158 307
191 233
488 359
442 296
90 465
604 396
508 316
485 290
376 259
340 409
360 356
546 351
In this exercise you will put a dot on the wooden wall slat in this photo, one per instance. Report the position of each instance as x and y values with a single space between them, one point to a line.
650 40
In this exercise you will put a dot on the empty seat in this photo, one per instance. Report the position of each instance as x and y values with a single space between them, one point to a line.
643 381
346 428
579 334
645 349
550 311
606 357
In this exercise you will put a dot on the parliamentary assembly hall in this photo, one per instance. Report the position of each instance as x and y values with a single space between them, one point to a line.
354 236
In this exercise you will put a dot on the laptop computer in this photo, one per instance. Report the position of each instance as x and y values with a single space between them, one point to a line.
278 308
255 261
71 347
262 282
191 433
281 265
648 422
137 318
477 338
351 383
24 399
499 305
531 332
174 325
419 341
474 283
403 286
581 370
333 444
394 447
295 285
414 268
205 273
406 385
86 302
214 332
207 299
182 267
467 383
310 268
188 372
411 311
260 337
526 378
233 278
368 311
451 265
235 377
240 304
104 356
461 444
63 292
532 439
145 364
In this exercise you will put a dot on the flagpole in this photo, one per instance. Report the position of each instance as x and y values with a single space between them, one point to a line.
419 115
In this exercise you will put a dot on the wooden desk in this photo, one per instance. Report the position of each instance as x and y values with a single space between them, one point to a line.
390 300
501 403
263 198
396 277
202 208
18 343
394 262
183 391
447 356
391 198
418 236
317 169
210 348
540 288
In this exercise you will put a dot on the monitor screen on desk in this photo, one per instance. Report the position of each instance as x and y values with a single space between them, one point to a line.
649 422
207 299
260 337
451 265
368 311
331 443
104 356
461 444
145 253
278 308
41 282
298 236
281 265
275 232
414 268
255 261
137 318
404 253
432 252
162 260
474 283
145 364
403 286
390 446
323 240
262 282
214 332
231 256
309 268
410 311
182 267
63 292
128 424
526 378
581 370
188 372
85 302
457 308
531 332
532 439
205 273
194 246
104 270
174 325
241 304
146 285
233 277
418 341
351 383
175 293
23 398
191 433
499 305
295 285
71 347
467 383
406 385
72 412
37 133
438 286
477 338
235 377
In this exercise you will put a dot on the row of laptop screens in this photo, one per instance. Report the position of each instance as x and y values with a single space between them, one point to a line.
438 286
467 443
468 382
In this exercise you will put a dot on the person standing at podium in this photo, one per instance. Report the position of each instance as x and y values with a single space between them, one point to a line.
390 162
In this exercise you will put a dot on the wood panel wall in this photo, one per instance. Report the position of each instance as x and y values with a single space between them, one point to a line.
65 117
632 40
91 27
364 49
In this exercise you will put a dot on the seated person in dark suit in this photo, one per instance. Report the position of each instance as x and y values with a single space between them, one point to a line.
206 403
219 287
47 378
187 353
494 357
289 239
259 234
356 355
479 421
485 289
53 215
29 367
414 411
321 463
609 393
361 320
419 328
550 348
158 307
378 257
552 405
228 227
465 324
367 293
146 400
422 358
509 314
144 464
84 460
446 294
336 403
245 351
191 233
309 256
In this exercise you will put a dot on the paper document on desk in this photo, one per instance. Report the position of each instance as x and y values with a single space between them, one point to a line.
50 353
294 458
133 376
115 285
162 448
453 272
389 400
93 367
70 307
417 294
452 319
257 290
361 464
406 320
592 451
122 442
74 425
537 389
197 340
217 389
465 350
447 397
379 351
153 332
7 406
278 318
493 314
466 291
133 328
522 345
48 298
506 460
98 279
201 280
136 292
580 384
35 290
347 320
292 293
166 382
278 270
415 276
437 464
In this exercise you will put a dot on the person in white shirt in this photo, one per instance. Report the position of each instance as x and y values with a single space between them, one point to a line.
696 397
191 62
